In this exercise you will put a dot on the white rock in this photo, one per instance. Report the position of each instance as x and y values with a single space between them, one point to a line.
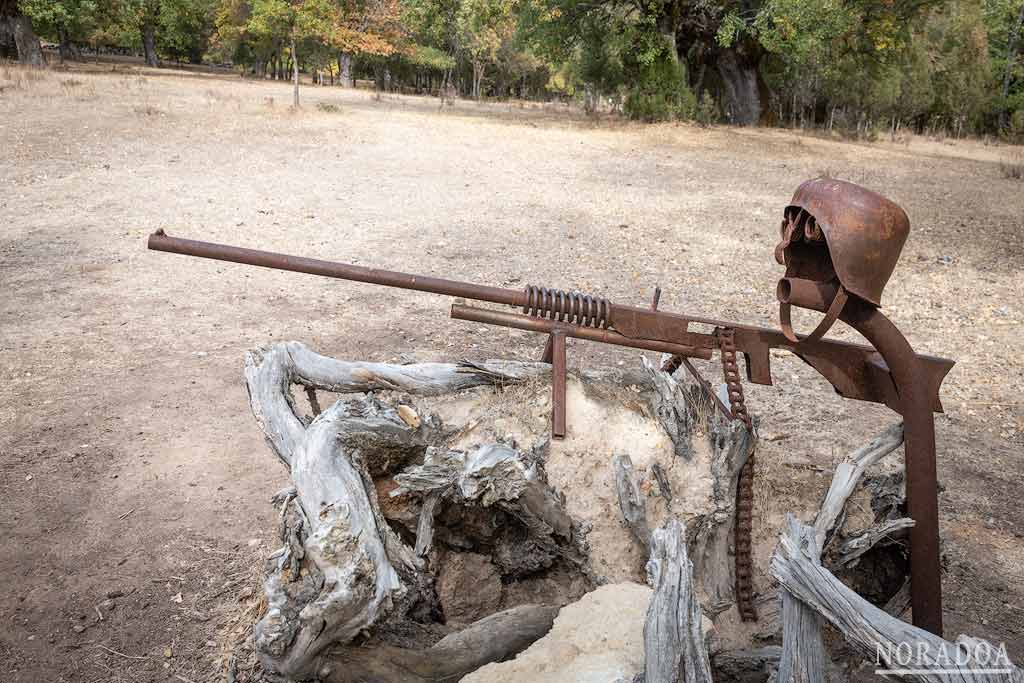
598 639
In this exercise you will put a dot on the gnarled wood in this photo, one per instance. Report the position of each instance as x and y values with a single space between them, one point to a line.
803 649
491 639
336 577
848 473
804 659
631 500
674 646
691 404
855 546
878 635
270 372
342 569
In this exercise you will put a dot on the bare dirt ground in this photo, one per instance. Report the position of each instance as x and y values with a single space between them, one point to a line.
135 484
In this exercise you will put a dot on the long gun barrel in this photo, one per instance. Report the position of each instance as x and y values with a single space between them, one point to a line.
343 271
574 314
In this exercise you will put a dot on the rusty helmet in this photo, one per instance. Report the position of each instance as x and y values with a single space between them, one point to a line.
863 235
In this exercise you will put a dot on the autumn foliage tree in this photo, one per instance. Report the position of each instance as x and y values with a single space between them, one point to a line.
858 67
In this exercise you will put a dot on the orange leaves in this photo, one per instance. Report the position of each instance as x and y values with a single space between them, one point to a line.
374 28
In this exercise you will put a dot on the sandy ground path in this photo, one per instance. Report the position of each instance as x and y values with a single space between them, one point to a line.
135 484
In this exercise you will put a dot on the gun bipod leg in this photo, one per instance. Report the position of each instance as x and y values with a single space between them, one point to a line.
545 356
556 340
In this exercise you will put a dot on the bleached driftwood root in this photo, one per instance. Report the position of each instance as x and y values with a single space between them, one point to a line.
845 479
674 648
269 374
803 649
750 664
691 406
812 594
631 499
491 639
492 474
344 577
342 569
856 545
919 655
804 659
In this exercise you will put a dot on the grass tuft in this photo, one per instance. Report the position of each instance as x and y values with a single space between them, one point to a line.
149 110
1013 170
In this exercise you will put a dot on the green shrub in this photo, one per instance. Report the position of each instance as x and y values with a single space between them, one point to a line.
1014 170
1017 125
707 110
660 92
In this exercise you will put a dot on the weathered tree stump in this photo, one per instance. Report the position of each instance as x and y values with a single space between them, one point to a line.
433 528
414 465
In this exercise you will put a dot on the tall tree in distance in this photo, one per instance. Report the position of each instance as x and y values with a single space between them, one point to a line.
70 21
483 25
148 12
368 29
1005 19
17 36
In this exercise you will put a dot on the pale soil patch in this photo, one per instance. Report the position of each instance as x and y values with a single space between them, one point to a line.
129 460
599 639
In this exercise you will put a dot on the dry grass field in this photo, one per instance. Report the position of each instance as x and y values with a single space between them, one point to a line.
135 484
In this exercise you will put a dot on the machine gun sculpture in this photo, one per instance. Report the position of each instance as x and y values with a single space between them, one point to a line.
840 243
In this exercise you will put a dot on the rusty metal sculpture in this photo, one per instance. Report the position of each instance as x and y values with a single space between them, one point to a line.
840 244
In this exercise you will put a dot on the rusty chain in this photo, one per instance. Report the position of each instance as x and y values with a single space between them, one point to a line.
745 481
744 568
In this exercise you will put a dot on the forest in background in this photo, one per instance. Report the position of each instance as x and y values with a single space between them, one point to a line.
858 67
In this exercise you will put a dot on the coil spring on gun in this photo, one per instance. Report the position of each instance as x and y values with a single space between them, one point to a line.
571 307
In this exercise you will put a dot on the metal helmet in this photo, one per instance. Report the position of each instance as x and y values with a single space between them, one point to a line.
863 236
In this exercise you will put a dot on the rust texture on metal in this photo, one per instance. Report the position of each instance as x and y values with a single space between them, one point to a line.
529 323
558 384
573 307
744 524
845 360
839 243
864 231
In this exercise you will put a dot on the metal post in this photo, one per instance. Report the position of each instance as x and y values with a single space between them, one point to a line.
919 447
545 356
558 384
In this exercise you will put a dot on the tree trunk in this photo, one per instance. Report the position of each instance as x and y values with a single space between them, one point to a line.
743 87
1012 49
345 70
67 49
16 30
674 648
295 73
478 77
149 39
